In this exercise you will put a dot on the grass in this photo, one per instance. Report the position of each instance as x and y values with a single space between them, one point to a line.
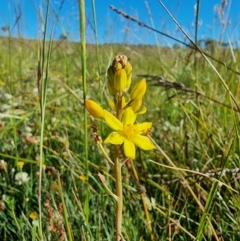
190 183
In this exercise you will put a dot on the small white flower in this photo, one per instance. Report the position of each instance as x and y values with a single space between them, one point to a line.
21 177
28 129
35 90
49 90
5 106
8 96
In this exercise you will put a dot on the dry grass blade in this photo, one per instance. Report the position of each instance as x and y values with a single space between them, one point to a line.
168 84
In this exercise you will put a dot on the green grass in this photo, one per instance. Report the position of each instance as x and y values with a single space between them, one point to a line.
194 135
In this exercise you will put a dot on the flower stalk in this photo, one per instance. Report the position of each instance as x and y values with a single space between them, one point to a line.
118 180
126 135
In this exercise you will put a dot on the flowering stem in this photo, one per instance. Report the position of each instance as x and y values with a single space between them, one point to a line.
118 178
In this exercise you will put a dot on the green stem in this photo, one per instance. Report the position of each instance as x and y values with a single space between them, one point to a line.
65 213
118 177
42 85
84 71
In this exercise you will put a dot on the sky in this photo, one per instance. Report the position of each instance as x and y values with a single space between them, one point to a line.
23 17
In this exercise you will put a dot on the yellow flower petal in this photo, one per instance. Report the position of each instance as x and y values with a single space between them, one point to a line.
115 139
93 108
112 105
142 142
112 121
82 178
139 90
136 105
129 117
143 127
142 111
33 215
129 149
20 164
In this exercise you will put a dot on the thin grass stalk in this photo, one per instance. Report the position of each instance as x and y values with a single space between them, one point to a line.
84 70
196 21
78 203
42 85
65 213
153 26
196 41
98 56
17 224
142 195
10 48
184 181
209 203
96 37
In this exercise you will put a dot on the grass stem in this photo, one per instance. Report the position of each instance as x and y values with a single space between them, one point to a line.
84 71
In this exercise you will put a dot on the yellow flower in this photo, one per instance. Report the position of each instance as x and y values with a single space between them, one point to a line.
33 215
20 164
94 109
82 178
139 90
127 133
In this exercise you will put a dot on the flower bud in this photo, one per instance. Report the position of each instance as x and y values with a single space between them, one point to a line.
128 69
139 90
136 105
120 80
110 83
117 66
94 109
122 59
119 75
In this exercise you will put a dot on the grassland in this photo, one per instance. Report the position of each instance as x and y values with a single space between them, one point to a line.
190 181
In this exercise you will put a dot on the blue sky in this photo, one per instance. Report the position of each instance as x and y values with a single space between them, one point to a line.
112 27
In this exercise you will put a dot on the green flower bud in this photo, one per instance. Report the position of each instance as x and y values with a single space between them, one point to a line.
110 83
